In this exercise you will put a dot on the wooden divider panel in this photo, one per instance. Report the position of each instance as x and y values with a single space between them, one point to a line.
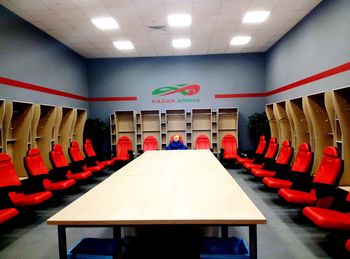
292 125
64 135
272 121
2 116
78 131
302 132
284 130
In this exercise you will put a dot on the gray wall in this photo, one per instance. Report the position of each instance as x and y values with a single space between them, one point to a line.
320 42
216 74
29 55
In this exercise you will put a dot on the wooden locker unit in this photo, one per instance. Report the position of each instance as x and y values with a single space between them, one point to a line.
113 132
150 125
78 127
341 102
163 129
65 130
201 123
227 123
189 130
214 131
125 125
17 126
43 130
283 125
2 116
176 124
322 130
272 121
302 133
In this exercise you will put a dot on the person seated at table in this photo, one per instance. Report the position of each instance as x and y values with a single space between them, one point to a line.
175 144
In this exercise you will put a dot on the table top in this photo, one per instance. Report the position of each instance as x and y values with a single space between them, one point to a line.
164 187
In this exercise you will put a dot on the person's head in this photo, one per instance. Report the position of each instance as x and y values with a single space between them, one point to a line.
176 138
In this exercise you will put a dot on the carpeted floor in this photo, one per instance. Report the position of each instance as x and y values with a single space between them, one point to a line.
287 234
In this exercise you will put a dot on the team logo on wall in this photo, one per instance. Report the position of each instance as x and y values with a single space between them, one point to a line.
186 90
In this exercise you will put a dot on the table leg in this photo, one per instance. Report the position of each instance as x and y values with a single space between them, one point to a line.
253 248
117 232
224 231
62 242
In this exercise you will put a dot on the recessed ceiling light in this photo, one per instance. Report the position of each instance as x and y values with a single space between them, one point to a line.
255 17
181 43
240 40
123 45
106 23
179 20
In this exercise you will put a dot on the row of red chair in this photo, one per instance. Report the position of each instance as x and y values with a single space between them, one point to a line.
41 182
325 207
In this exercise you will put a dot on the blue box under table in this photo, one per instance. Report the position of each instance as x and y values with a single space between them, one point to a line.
224 248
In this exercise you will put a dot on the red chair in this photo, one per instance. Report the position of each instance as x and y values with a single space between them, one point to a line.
10 182
283 159
61 165
202 142
347 245
38 172
259 152
92 157
150 143
6 214
124 151
180 138
326 177
269 156
228 150
77 158
300 168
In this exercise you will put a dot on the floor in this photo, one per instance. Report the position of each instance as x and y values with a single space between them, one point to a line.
287 234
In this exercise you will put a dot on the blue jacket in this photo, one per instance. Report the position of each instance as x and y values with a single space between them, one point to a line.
176 146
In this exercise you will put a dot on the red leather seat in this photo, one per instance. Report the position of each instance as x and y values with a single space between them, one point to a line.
202 142
229 147
77 157
6 214
60 163
9 178
326 176
283 160
150 143
347 245
259 152
90 154
124 149
301 165
36 168
269 156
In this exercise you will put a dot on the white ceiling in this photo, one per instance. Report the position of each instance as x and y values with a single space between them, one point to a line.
214 23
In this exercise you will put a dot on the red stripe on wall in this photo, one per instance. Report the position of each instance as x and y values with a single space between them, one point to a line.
327 73
42 89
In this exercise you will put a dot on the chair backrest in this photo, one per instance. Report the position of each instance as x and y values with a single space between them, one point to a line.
74 152
330 167
8 176
271 149
89 149
57 157
180 138
123 146
261 146
150 143
303 159
34 163
202 142
229 144
285 154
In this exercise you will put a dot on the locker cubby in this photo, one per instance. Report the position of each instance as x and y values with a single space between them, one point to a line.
227 123
65 130
319 119
341 102
151 125
201 123
283 125
78 129
176 123
125 125
17 126
272 120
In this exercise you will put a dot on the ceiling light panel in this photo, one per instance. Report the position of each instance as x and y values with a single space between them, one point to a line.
179 20
123 45
255 17
106 23
240 40
181 43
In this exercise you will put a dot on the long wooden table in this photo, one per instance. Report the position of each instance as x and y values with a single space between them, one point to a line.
187 187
